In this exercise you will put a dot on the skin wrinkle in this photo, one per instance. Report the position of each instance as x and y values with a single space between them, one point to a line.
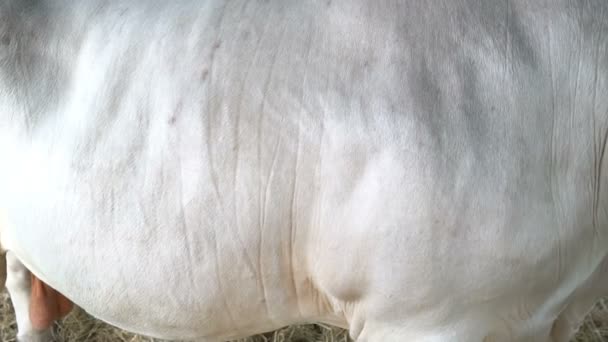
293 224
502 20
236 143
237 138
552 158
220 283
248 259
595 158
22 68
318 219
266 88
425 84
507 35
192 260
125 299
476 115
214 182
263 210
596 225
294 193
523 48
598 166
117 91
207 123
576 80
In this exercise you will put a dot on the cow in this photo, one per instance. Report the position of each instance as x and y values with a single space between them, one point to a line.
408 170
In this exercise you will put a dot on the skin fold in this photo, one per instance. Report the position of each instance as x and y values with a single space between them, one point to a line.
46 305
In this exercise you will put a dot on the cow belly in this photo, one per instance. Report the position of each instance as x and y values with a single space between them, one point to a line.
157 294
161 277
427 260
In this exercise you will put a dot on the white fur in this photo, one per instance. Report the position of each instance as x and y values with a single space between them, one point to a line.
412 171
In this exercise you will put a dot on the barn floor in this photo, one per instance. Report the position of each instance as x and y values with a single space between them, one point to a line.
80 327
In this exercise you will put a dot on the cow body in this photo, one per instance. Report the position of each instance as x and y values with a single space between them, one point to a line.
411 171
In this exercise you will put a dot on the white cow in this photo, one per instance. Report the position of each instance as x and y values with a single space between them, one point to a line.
410 170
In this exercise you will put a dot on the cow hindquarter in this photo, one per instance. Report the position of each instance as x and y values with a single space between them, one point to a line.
485 202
